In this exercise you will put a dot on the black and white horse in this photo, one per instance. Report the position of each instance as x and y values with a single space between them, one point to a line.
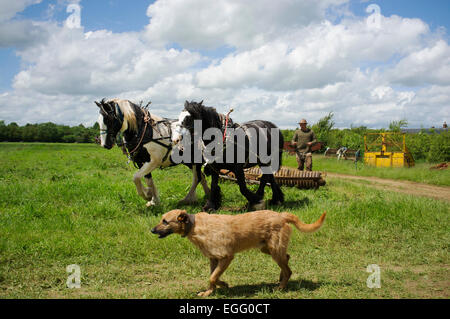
148 140
261 135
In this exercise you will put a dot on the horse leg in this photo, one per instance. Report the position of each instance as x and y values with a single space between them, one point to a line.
155 197
277 194
203 181
146 169
148 190
215 198
255 202
262 185
191 197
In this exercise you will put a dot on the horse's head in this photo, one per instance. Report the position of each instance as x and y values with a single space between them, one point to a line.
110 121
185 124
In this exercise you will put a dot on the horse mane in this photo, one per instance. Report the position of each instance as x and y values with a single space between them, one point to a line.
128 113
206 113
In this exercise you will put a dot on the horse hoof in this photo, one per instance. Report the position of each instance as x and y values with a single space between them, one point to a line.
258 206
275 202
208 208
152 203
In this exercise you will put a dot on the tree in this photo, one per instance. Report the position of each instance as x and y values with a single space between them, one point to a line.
323 128
29 133
3 131
396 126
14 133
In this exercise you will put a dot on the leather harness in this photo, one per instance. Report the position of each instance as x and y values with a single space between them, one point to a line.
148 119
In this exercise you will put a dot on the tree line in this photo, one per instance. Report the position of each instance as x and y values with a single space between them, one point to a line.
48 132
425 145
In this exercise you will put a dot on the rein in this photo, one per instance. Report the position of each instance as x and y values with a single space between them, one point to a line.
226 124
148 119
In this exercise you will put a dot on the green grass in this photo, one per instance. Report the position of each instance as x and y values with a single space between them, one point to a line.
420 173
76 204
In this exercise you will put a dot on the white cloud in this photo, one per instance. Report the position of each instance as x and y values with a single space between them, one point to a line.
19 32
100 62
8 8
242 24
428 65
315 56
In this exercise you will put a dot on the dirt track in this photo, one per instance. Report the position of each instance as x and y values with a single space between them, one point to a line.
407 187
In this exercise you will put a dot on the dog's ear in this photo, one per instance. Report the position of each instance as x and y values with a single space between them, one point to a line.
183 217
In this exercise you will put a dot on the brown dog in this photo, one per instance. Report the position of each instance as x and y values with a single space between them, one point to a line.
219 237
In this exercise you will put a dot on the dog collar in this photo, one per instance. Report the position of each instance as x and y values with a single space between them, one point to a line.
189 224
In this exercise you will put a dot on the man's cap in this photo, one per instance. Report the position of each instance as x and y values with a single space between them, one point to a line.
302 121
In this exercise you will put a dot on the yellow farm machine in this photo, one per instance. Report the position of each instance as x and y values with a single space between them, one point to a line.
387 150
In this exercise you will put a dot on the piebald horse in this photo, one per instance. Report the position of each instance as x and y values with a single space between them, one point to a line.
264 134
148 140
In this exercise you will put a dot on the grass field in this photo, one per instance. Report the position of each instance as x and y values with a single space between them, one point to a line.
76 204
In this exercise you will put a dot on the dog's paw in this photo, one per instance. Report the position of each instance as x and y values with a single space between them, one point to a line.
222 284
282 286
205 293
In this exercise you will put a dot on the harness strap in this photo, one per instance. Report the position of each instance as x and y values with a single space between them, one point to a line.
146 120
226 124
169 147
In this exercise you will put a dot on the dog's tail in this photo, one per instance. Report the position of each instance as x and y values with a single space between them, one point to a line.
305 228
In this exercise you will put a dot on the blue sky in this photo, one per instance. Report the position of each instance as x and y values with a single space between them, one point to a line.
264 56
436 12
114 15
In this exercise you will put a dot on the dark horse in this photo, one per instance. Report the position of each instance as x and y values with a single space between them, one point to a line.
242 151
148 140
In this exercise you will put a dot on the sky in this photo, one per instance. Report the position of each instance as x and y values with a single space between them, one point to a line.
368 62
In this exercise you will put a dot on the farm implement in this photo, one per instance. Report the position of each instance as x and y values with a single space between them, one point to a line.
286 176
387 150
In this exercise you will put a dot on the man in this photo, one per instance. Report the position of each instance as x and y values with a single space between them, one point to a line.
303 139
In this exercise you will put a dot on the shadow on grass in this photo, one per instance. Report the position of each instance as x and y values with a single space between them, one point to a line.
201 201
295 203
143 210
249 290
244 209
